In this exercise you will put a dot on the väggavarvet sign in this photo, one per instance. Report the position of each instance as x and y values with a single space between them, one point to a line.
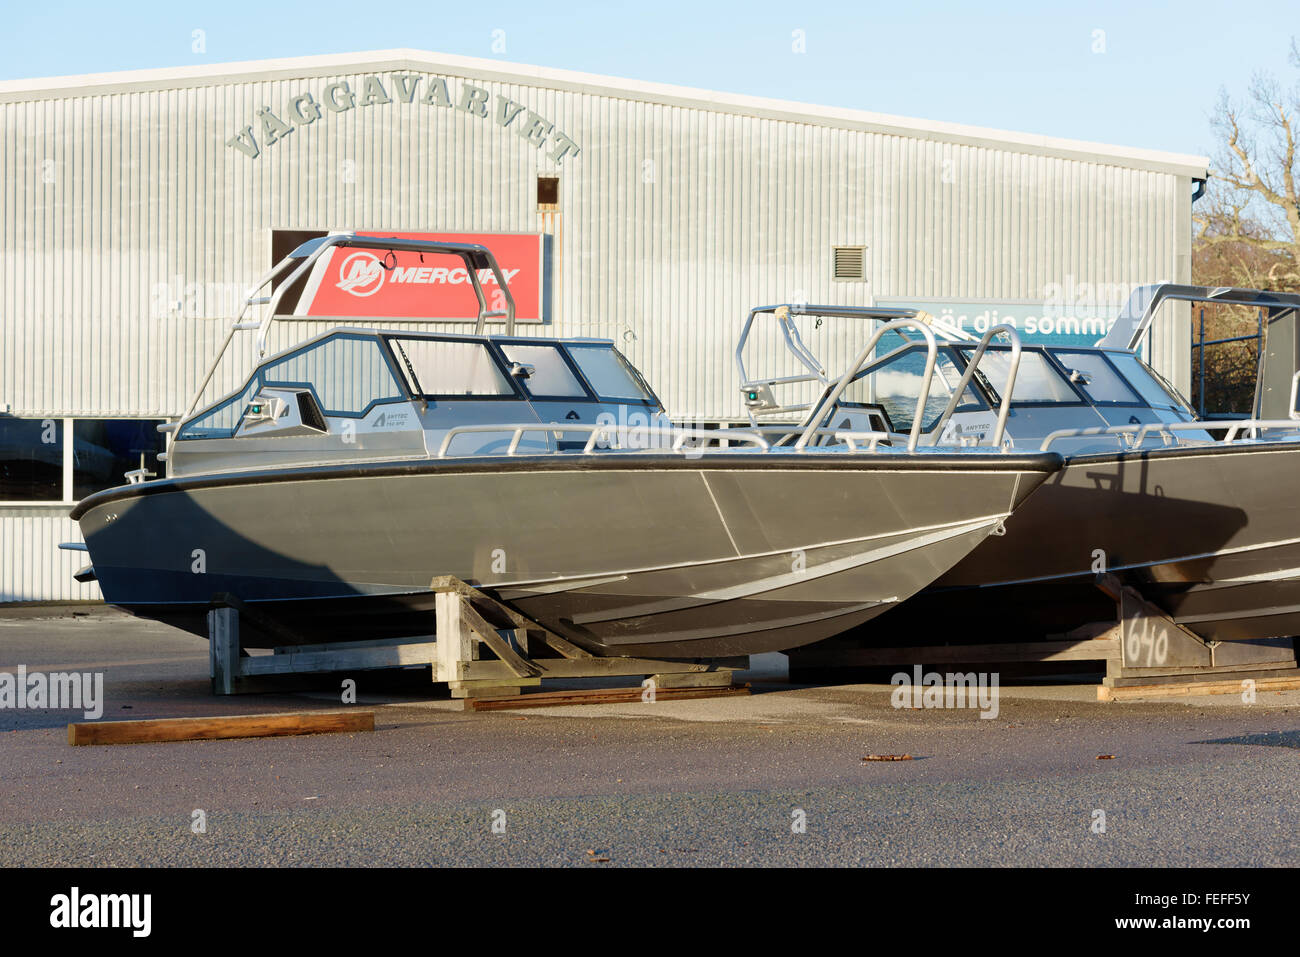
270 126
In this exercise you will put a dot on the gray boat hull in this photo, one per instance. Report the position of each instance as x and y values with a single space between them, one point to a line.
1211 535
637 554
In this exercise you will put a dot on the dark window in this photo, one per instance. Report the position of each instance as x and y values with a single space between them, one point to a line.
103 450
548 192
283 242
31 460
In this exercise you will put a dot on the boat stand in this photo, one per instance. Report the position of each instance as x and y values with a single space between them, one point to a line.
1144 653
480 648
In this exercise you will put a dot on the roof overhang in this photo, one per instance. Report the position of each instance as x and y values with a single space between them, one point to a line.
100 84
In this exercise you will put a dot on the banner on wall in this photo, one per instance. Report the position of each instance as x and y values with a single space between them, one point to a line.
1047 323
375 283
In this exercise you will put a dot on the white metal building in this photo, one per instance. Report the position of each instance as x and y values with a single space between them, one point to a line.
136 207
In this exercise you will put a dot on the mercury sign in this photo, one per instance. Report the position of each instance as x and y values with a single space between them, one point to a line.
382 284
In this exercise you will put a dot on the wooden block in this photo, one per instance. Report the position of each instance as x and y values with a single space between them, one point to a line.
1188 688
490 689
210 729
555 699
701 679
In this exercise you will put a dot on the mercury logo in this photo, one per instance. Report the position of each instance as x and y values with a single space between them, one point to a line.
361 274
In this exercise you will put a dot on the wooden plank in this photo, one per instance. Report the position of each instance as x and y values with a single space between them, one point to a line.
500 647
598 667
223 649
1188 688
455 645
555 699
257 618
228 726
428 639
1029 651
291 661
449 583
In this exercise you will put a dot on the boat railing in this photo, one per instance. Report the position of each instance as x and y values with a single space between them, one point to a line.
1134 435
626 437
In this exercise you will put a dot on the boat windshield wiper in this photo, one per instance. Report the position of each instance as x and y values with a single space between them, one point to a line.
410 371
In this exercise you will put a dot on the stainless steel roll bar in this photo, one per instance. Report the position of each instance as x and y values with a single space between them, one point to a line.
972 365
784 314
613 430
1135 317
828 403
474 256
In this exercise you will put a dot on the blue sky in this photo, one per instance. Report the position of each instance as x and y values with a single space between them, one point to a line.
1012 65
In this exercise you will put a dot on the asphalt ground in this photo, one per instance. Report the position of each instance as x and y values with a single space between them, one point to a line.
1208 780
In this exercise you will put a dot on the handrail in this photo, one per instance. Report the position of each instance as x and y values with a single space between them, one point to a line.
1255 425
1140 432
872 438
679 436
833 397
972 365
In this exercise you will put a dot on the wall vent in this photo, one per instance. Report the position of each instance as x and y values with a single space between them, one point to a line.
850 263
548 194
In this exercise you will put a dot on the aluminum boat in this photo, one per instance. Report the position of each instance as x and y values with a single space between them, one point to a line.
345 473
1200 517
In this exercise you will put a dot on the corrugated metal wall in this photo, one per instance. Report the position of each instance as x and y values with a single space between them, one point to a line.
675 220
32 567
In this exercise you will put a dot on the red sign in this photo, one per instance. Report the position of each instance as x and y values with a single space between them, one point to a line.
379 283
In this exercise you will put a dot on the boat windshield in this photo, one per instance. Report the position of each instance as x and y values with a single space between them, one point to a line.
448 368
347 373
550 375
1140 377
1036 380
610 375
895 383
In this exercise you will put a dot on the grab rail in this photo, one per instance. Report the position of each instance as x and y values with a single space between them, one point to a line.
972 366
872 438
1140 432
932 352
679 436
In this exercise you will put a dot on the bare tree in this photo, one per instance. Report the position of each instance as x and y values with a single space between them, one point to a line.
1248 227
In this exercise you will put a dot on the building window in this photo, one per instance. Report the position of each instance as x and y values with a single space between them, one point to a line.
849 263
548 194
56 461
31 460
103 450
